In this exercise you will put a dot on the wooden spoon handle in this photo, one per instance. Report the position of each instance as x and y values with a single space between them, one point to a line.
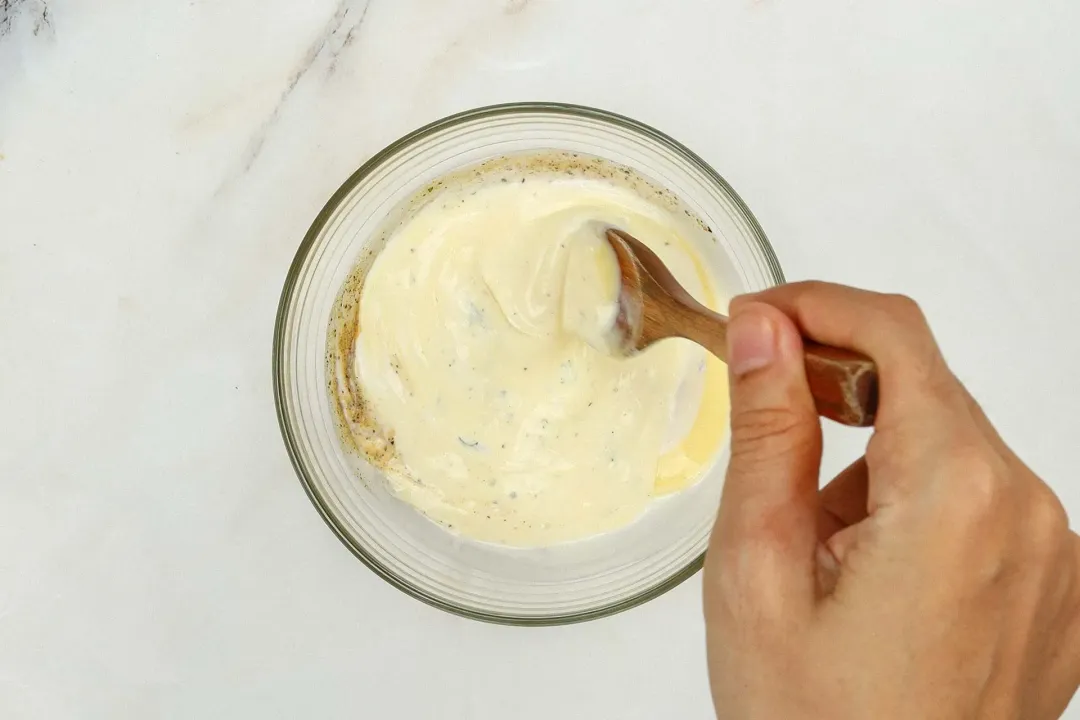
844 384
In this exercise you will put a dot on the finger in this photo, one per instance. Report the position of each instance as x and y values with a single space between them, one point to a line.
891 329
765 533
843 502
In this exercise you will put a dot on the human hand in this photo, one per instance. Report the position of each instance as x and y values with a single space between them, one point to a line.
934 578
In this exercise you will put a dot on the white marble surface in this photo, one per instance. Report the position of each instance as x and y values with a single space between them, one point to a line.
160 161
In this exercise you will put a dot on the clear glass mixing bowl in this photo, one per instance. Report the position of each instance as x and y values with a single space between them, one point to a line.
559 584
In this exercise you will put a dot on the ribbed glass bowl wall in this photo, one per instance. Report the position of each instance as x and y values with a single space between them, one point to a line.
560 584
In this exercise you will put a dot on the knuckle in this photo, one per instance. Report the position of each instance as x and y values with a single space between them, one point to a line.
906 319
937 379
769 528
812 296
978 493
812 287
904 310
778 428
1046 523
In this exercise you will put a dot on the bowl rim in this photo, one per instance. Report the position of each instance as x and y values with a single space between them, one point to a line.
366 169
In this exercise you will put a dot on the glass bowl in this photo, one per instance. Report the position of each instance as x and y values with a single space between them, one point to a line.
563 583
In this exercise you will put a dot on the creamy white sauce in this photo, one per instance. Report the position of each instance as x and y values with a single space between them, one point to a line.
590 302
479 325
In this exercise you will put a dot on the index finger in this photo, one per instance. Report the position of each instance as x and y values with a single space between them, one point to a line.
890 329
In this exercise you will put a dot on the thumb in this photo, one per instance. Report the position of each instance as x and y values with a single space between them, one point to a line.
765 531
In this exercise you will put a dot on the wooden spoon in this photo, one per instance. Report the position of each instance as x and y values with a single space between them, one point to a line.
654 306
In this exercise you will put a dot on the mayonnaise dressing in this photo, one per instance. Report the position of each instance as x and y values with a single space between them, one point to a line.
477 353
590 302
